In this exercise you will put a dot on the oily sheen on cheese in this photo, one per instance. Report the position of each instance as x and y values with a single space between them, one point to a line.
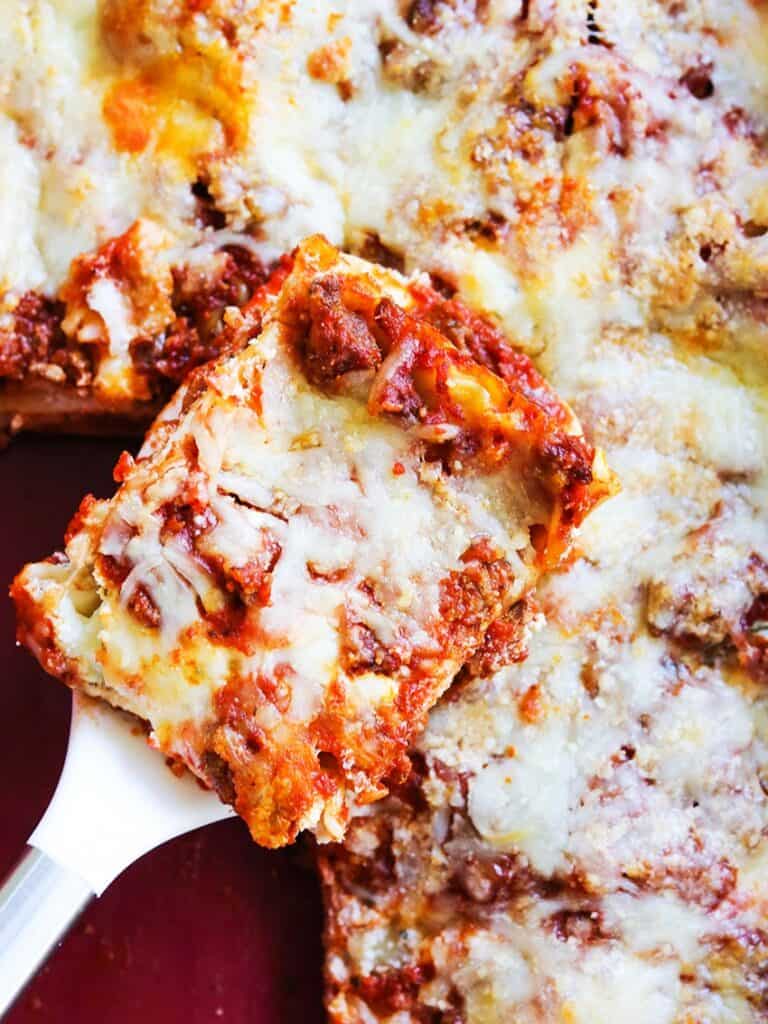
319 531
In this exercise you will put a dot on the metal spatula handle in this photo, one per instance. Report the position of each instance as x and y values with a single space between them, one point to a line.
39 902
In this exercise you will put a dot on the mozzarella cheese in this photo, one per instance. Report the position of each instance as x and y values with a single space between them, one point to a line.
587 838
316 536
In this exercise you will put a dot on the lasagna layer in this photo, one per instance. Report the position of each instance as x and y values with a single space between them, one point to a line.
321 529
129 322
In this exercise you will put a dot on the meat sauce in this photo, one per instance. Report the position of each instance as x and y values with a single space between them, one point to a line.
453 375
35 343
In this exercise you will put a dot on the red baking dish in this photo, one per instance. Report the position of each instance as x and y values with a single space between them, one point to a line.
209 927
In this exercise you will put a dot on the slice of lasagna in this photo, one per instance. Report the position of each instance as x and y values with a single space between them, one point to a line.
320 530
129 322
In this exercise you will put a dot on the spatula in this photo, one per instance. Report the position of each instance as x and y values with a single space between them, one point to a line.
116 800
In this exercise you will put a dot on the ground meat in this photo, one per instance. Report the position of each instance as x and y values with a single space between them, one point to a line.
362 651
339 340
483 878
33 342
388 992
196 334
472 598
504 643
585 926
143 607
717 607
395 391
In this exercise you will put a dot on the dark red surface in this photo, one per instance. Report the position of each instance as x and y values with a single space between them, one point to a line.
207 928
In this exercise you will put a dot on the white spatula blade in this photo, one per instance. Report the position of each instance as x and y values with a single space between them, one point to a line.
116 799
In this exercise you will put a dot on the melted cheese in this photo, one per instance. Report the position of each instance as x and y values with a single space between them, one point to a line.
396 143
638 779
277 580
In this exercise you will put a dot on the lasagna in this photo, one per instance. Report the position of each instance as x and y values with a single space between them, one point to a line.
583 834
321 529
169 151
